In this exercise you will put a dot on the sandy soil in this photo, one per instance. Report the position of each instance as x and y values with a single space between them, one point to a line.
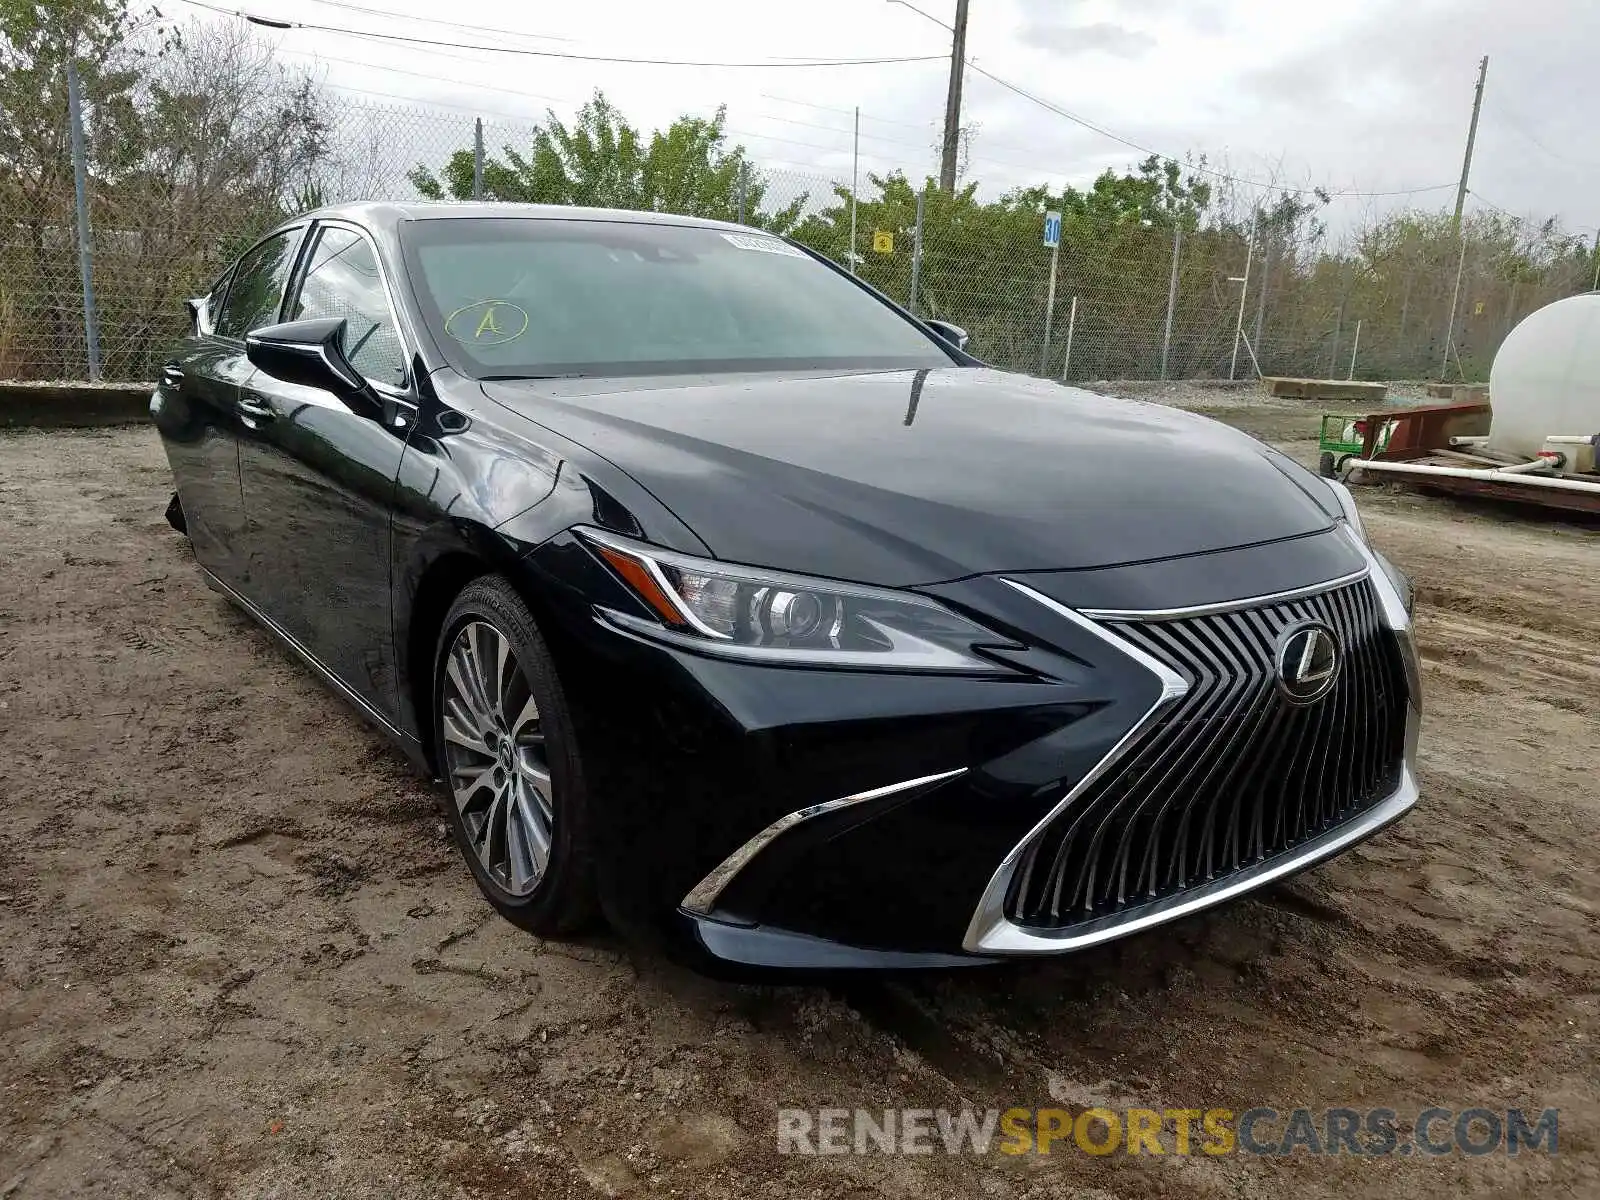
239 958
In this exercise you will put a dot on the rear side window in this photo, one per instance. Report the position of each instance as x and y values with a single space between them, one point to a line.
343 280
205 320
257 288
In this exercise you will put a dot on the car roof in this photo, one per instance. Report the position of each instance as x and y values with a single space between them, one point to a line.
387 214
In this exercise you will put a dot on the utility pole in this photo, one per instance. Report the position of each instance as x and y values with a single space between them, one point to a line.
1455 225
1472 136
952 103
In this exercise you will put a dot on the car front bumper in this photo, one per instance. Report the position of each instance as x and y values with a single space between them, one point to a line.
795 818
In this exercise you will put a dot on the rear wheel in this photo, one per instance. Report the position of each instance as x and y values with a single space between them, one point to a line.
519 809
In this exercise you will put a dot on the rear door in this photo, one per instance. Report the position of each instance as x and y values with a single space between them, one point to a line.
196 405
319 475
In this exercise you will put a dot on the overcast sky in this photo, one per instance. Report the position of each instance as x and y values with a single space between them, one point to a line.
1360 95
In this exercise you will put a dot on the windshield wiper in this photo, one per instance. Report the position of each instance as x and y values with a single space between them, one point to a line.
516 378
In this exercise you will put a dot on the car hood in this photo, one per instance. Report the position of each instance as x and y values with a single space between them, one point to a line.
904 477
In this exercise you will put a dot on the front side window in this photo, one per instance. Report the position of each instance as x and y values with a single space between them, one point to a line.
257 287
342 280
536 297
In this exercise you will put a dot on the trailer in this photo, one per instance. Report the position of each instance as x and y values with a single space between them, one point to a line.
1533 438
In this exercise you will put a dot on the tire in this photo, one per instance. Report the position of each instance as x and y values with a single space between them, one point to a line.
1325 466
518 806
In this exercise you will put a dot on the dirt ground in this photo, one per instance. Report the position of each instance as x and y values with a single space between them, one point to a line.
239 958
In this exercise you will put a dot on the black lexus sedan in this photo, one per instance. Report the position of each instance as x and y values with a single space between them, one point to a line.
726 596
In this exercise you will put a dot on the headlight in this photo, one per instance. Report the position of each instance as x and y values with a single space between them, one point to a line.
1347 502
767 616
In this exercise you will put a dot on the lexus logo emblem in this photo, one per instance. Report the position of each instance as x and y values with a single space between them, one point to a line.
1308 662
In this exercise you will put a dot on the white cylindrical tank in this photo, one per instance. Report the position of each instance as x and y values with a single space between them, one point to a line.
1546 377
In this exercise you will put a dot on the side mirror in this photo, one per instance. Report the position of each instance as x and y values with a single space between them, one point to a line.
310 353
953 334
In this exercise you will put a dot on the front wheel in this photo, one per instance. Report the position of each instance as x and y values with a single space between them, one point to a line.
519 809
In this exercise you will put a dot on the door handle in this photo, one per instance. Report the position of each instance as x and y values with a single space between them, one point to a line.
256 409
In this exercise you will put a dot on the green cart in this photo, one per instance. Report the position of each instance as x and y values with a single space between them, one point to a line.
1343 437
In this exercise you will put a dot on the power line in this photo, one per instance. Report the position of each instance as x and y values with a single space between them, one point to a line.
276 23
926 127
1524 221
927 150
870 137
840 62
318 56
478 110
1196 169
1509 117
421 100
470 110
1117 137
1484 200
394 16
923 125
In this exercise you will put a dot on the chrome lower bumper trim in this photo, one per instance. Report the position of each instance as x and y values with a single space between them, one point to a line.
702 898
1003 937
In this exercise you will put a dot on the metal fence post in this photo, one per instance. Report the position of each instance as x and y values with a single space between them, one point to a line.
1354 349
744 178
1244 290
855 186
1049 308
1338 334
1263 281
1172 297
916 252
477 158
91 329
1072 326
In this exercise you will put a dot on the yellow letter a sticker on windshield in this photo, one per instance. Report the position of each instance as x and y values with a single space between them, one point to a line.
488 322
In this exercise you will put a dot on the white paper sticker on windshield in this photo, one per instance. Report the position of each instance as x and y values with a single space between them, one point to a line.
769 245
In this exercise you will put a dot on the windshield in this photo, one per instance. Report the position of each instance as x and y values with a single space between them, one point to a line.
542 297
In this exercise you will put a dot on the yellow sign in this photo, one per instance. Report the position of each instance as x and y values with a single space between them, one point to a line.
883 241
1477 309
487 323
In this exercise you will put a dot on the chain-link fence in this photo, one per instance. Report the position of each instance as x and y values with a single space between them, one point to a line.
1139 292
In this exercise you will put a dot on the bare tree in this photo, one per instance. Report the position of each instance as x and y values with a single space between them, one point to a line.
228 141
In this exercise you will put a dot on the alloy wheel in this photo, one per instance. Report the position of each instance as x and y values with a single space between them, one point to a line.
494 752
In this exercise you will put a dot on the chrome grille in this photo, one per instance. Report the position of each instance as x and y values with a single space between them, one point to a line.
1232 773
